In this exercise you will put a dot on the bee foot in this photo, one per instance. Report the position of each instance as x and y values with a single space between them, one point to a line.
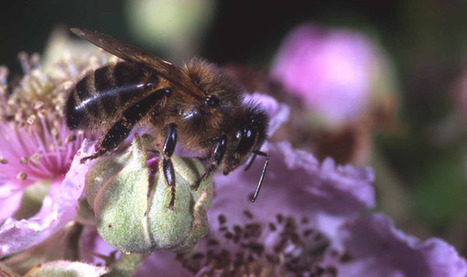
195 186
92 157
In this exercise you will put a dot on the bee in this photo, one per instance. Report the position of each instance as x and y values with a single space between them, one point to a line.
196 105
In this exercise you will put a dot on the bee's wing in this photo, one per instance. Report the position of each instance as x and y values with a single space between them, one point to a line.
132 54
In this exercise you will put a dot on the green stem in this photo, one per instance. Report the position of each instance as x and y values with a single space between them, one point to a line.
126 265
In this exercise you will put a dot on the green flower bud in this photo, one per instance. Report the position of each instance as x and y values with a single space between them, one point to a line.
132 207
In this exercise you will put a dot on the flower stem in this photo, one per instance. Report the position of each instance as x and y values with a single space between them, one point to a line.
127 264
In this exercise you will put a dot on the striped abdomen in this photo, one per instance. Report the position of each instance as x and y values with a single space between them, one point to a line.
101 96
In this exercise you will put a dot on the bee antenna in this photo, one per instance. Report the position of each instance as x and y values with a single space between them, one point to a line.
250 161
263 173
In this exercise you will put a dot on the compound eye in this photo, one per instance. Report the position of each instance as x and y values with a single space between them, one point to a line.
211 101
247 140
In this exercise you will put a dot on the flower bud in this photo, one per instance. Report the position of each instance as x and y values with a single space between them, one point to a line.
131 204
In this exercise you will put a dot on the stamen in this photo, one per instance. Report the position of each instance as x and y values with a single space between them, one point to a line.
308 232
213 242
258 249
31 120
70 138
222 219
34 61
22 176
24 160
279 218
3 75
228 235
272 227
3 160
248 214
346 257
223 228
23 59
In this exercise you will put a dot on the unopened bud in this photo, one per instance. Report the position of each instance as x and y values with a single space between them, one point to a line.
132 206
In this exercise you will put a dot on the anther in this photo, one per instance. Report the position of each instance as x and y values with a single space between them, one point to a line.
248 214
35 158
222 219
21 176
3 75
23 59
24 160
3 160
70 138
30 120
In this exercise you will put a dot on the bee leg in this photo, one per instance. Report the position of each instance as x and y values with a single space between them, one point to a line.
167 166
114 136
219 152
122 128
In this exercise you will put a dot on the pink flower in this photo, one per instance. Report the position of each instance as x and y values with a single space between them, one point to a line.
333 71
33 154
301 207
379 249
59 207
311 218
296 180
38 189
306 221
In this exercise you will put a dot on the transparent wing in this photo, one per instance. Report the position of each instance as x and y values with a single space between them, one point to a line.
133 54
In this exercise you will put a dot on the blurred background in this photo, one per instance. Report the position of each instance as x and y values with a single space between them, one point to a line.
413 134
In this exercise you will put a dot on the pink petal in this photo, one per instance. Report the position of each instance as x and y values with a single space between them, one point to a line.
295 184
91 243
330 70
10 199
377 248
58 208
162 262
165 264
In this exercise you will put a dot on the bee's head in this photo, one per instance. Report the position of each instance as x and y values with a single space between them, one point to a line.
247 135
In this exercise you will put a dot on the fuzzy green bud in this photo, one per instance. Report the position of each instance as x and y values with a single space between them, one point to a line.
132 207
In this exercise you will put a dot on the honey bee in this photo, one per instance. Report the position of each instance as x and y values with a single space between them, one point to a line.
196 105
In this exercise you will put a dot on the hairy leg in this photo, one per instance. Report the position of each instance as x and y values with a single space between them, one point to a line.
122 128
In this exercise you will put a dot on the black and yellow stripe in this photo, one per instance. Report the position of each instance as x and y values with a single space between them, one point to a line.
102 95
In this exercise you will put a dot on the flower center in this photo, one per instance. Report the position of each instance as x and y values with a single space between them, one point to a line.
35 142
284 245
